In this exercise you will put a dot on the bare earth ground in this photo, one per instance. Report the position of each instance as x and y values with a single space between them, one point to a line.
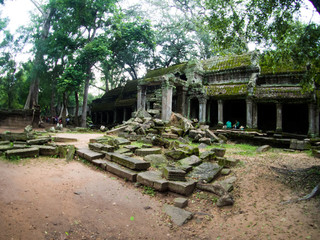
48 198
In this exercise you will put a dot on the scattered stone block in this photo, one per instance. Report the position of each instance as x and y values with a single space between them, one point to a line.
177 131
225 200
132 148
4 143
99 147
88 154
161 142
176 154
211 135
157 160
225 171
19 146
191 161
28 129
227 162
205 171
158 122
263 148
116 130
299 145
214 188
170 135
194 133
5 147
220 152
64 139
174 174
205 140
147 151
227 183
123 151
178 216
62 151
129 162
100 163
108 155
180 202
183 188
122 141
71 152
186 168
22 153
208 156
121 171
153 179
202 146
46 150
39 141
9 136
190 150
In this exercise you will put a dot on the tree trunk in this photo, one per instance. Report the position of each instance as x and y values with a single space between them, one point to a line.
76 117
64 110
52 105
85 99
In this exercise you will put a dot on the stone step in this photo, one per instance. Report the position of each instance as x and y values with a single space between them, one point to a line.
121 171
46 150
39 141
129 162
183 188
4 143
64 139
153 179
89 154
23 153
100 163
5 147
99 147
147 151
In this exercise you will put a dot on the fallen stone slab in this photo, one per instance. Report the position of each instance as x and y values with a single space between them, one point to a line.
64 139
205 171
156 160
5 147
121 171
39 141
147 151
191 161
99 147
211 135
89 154
299 145
4 143
227 183
178 216
213 188
208 156
20 146
129 162
205 140
191 150
122 141
220 152
174 174
22 153
153 179
176 154
225 200
227 162
9 136
170 135
123 151
116 130
263 148
180 202
71 152
225 171
46 150
183 188
132 148
100 163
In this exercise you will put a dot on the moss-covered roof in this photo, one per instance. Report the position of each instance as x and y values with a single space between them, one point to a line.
228 62
163 71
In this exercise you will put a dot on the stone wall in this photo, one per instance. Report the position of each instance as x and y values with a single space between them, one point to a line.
16 118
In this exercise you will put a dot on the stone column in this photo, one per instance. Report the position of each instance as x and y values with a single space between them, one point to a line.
279 117
255 115
317 119
220 112
124 114
183 101
166 102
114 116
208 112
141 97
312 128
249 113
202 109
188 107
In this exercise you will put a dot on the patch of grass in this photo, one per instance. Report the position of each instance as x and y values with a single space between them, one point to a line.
149 191
139 144
241 149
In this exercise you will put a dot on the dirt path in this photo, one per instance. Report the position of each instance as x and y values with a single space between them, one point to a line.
50 199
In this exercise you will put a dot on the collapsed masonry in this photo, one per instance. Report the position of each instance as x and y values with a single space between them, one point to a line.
215 91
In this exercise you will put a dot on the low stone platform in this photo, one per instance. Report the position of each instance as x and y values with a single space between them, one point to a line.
129 162
46 150
153 179
88 154
121 171
147 151
23 153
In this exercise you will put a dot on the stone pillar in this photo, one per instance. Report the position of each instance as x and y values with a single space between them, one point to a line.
312 129
317 119
202 109
188 107
249 113
208 112
166 102
141 97
255 115
279 117
183 101
220 112
114 116
124 114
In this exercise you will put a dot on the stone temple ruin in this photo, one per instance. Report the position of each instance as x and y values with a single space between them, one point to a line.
215 91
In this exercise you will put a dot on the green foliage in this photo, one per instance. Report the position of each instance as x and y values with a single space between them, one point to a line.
149 191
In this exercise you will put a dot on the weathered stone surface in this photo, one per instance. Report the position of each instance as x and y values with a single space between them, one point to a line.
194 133
202 146
227 183
176 154
147 151
123 151
225 200
158 122
178 216
5 147
100 163
19 146
206 171
220 152
141 113
177 131
156 160
299 145
23 153
212 136
208 156
153 179
183 140
214 188
263 148
121 171
46 150
99 147
192 161
116 130
62 151
183 188
129 162
315 153
28 129
227 162
159 141
122 141
225 171
182 122
64 139
174 174
132 148
205 140
4 143
9 136
170 135
191 150
71 152
88 154
180 202
38 141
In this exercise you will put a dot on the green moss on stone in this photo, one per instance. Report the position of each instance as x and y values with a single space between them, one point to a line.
226 90
228 62
163 71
